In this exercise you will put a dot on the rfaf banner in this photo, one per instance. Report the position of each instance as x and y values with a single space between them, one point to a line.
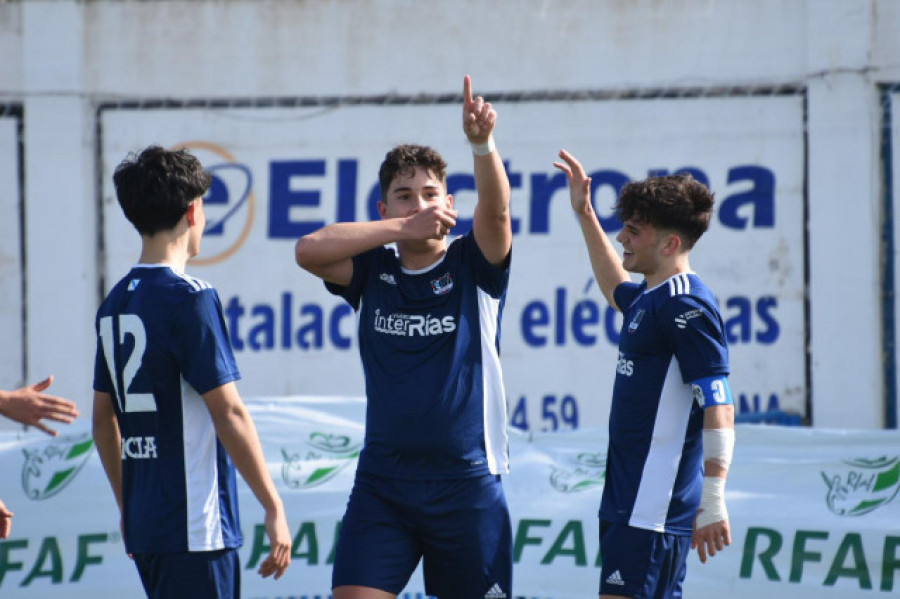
813 512
280 173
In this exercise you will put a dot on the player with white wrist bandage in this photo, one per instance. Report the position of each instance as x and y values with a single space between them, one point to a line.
671 425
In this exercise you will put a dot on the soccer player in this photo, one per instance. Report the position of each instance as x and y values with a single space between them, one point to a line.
168 421
29 405
428 482
671 423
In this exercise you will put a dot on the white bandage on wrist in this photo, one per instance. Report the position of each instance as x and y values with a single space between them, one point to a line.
718 446
483 149
712 502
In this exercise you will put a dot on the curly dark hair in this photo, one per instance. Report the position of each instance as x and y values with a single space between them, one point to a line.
155 187
404 159
677 203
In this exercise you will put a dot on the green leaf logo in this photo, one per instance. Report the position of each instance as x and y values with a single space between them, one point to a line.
323 458
47 471
865 485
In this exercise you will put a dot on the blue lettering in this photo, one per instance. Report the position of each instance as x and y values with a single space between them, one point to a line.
760 198
313 327
542 189
616 181
584 314
282 198
346 192
536 314
739 326
764 306
334 326
316 324
264 328
233 312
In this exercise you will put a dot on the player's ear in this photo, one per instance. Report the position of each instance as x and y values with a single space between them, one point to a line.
382 208
450 200
672 244
191 212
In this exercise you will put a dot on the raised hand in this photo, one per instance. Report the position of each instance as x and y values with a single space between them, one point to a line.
479 117
579 182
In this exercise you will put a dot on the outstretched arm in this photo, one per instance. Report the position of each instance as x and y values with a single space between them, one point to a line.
29 405
237 433
605 262
492 222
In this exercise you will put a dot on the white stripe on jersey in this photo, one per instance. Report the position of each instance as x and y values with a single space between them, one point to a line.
197 284
651 505
496 440
679 284
204 525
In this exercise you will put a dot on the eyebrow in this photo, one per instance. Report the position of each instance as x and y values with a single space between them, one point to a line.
408 188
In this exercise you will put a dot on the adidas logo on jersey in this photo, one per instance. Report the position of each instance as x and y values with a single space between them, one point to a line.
681 319
388 278
616 579
495 592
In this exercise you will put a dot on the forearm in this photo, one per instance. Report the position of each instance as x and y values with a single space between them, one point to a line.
492 222
605 262
238 434
343 241
108 440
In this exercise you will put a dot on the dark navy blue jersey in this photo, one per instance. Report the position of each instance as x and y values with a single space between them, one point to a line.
430 343
161 344
671 336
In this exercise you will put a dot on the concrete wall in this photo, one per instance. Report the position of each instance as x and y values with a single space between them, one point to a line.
60 59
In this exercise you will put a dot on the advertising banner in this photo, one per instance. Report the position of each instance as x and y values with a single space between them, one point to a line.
12 350
813 513
280 173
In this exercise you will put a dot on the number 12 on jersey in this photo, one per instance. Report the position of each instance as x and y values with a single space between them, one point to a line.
127 324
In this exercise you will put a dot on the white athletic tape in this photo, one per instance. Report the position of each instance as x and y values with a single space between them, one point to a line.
712 502
485 148
718 446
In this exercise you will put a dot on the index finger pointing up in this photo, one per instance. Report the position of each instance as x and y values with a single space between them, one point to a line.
467 90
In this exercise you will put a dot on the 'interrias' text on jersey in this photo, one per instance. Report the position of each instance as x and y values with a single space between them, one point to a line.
161 344
442 323
672 335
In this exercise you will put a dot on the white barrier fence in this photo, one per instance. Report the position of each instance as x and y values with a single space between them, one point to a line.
814 513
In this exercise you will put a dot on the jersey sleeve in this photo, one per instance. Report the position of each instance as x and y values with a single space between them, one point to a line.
102 378
492 278
201 345
696 334
625 294
353 292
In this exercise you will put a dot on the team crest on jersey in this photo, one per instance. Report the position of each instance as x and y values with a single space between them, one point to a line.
862 486
587 472
324 457
133 283
636 321
442 285
47 471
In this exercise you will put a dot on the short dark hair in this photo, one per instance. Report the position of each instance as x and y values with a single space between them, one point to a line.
155 187
404 159
678 203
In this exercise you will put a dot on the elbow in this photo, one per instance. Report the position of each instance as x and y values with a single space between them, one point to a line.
302 253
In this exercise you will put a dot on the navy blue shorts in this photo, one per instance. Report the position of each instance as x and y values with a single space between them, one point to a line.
459 528
640 563
195 574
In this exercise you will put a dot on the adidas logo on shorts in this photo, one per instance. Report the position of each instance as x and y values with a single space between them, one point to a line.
495 592
615 578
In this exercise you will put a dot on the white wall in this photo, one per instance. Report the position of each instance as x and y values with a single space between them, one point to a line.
61 58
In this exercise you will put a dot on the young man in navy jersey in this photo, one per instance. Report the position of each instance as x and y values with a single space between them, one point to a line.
671 424
168 421
428 481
